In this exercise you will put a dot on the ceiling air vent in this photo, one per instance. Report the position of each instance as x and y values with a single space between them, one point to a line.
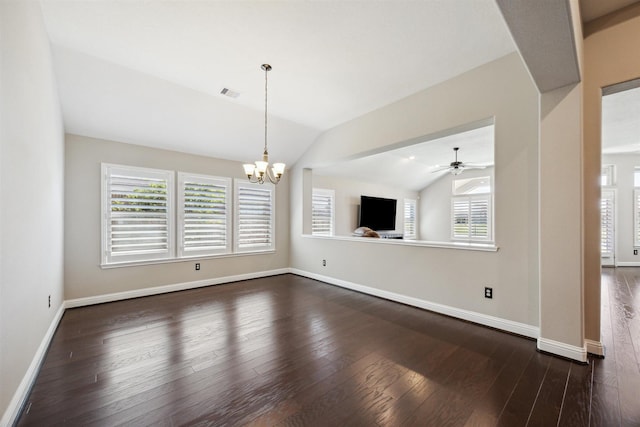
230 93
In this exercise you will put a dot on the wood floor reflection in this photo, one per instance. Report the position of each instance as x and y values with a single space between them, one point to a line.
287 350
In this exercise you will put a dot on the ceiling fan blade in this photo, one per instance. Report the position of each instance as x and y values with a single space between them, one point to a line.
442 169
473 166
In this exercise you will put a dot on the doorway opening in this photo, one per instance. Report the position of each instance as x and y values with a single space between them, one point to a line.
620 176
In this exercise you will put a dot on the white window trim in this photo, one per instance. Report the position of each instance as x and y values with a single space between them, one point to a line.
238 184
636 217
608 194
414 204
609 173
107 256
471 198
175 216
331 195
184 177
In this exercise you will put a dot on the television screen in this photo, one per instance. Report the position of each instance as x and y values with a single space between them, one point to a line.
377 213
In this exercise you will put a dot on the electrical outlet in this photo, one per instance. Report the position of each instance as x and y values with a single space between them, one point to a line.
324 262
488 292
635 252
197 266
49 301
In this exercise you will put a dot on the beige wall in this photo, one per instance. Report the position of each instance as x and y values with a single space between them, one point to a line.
561 319
31 194
83 275
501 89
610 56
347 200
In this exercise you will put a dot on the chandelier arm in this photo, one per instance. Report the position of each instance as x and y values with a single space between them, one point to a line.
269 174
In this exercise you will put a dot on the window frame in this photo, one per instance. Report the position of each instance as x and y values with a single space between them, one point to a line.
271 246
330 194
608 175
107 171
469 198
200 179
413 206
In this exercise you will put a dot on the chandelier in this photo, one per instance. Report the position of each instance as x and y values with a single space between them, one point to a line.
259 171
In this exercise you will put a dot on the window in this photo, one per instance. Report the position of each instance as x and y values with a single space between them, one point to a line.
607 206
322 212
204 215
148 217
410 219
636 207
137 206
608 175
471 209
254 225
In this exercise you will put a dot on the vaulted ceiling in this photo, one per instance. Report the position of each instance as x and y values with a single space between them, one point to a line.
151 73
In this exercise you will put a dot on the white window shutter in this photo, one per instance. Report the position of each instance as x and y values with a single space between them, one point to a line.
204 212
471 218
607 223
479 214
137 210
410 219
255 217
323 212
636 218
460 217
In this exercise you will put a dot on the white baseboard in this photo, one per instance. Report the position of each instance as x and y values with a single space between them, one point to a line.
471 316
561 349
594 347
156 290
627 264
12 412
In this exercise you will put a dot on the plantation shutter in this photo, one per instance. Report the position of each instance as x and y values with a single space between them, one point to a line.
607 223
410 219
479 214
322 212
254 217
137 205
204 215
636 217
460 213
471 217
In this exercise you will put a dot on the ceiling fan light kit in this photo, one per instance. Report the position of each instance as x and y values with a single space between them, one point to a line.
259 171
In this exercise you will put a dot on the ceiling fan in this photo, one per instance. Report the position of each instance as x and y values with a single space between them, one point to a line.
456 167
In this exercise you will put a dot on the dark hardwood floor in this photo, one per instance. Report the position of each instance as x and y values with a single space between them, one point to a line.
287 350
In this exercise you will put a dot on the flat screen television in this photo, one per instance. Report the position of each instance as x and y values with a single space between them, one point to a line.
377 213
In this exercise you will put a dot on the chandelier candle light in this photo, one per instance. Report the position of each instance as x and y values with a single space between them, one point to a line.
260 172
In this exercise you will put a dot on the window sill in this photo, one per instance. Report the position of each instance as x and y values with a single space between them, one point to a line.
183 259
468 246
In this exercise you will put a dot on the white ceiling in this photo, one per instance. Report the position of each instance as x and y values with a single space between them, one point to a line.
150 73
417 166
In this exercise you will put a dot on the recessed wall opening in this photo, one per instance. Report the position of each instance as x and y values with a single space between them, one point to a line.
442 186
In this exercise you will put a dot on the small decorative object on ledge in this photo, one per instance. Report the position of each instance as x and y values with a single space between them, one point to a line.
260 172
365 232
